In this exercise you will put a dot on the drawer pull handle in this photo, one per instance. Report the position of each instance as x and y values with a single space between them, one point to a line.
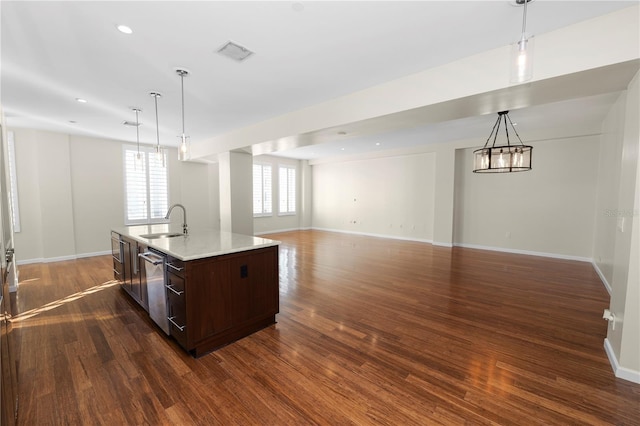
170 287
174 267
181 328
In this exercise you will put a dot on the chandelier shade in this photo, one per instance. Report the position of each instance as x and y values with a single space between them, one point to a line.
502 158
522 51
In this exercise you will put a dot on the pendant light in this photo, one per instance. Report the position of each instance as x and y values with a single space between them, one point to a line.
159 150
183 150
522 52
137 162
502 158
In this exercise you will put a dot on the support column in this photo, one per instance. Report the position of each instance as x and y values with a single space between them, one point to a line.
305 191
444 197
236 189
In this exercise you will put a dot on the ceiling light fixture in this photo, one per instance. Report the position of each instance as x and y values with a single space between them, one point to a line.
183 150
124 29
503 158
522 52
82 101
137 162
159 150
235 51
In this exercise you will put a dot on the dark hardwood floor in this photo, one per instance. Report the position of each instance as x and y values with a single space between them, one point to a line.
370 331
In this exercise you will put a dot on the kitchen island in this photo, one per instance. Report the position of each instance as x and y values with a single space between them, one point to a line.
217 286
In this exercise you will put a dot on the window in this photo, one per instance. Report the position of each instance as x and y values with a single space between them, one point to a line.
13 183
146 187
262 199
287 190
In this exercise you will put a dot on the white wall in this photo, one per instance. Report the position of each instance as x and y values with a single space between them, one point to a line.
71 193
391 197
302 218
548 210
236 189
618 234
97 188
607 189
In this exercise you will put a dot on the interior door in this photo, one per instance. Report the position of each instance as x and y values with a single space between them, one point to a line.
8 379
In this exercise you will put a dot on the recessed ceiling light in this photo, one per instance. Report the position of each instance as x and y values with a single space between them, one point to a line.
124 29
341 149
82 101
377 143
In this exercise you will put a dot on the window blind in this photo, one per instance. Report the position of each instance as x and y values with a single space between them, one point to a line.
262 192
287 191
146 187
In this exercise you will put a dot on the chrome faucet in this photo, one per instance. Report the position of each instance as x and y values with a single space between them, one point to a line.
185 230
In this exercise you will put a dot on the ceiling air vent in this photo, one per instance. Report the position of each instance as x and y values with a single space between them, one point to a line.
235 51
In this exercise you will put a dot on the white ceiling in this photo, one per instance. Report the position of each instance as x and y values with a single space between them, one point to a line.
305 53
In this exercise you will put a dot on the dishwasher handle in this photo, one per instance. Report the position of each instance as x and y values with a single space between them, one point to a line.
151 257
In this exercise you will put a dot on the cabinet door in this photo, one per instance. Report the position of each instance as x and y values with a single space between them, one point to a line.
126 264
255 285
141 280
135 272
208 298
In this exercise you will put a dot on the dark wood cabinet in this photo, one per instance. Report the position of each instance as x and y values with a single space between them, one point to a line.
138 278
118 257
128 269
176 300
222 298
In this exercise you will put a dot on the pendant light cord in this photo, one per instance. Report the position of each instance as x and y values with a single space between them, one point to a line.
155 98
137 131
182 90
524 24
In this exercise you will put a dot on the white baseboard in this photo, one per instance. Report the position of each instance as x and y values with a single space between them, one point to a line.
620 372
602 277
97 253
277 231
439 244
527 252
368 234
61 258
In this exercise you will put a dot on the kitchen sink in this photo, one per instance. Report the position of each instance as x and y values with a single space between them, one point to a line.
161 235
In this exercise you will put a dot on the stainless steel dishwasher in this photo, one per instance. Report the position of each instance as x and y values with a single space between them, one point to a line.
156 279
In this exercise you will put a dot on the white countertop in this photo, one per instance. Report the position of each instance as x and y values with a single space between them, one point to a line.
199 244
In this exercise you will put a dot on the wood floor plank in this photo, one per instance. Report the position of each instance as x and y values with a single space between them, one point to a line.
370 331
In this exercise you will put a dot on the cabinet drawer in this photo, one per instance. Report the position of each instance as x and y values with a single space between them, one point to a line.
118 271
177 313
175 266
175 285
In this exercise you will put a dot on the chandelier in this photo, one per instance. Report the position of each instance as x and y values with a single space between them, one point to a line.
502 158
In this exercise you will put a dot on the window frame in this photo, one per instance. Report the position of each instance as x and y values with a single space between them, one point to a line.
263 213
13 181
147 151
287 192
